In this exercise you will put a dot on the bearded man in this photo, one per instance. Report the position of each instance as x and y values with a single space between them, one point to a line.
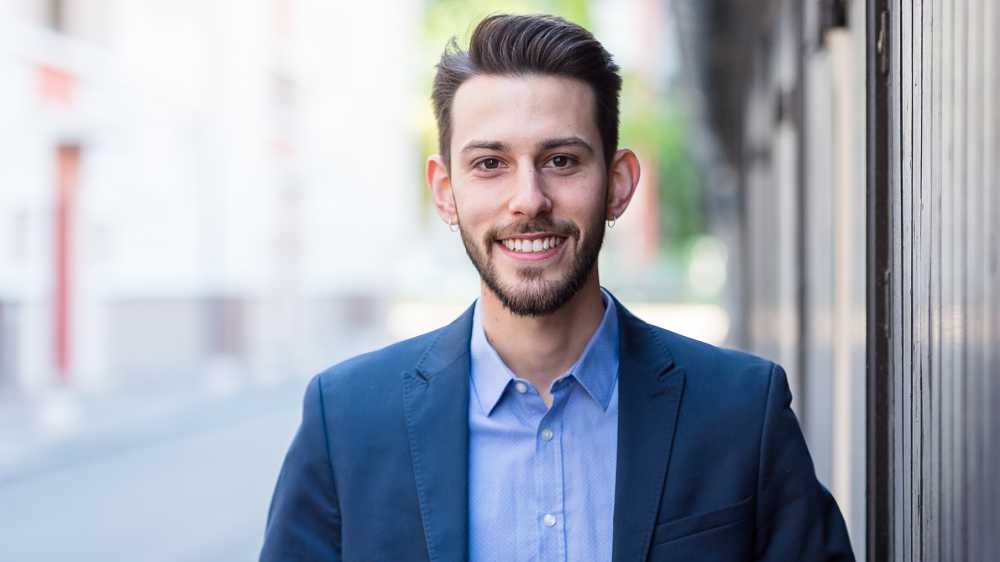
546 423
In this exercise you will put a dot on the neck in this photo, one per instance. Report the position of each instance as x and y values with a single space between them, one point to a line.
541 348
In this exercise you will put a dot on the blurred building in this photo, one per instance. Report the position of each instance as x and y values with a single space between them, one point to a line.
779 86
179 180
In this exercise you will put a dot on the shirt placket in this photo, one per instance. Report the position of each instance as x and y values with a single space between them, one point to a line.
550 491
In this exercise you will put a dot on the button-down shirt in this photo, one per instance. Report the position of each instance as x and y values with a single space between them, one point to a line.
542 480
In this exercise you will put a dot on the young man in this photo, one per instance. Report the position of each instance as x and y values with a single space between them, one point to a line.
546 423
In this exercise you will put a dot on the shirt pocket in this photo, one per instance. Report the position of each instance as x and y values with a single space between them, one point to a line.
691 524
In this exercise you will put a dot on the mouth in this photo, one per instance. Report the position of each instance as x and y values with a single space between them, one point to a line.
531 247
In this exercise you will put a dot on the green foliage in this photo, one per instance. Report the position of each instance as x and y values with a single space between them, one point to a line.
447 18
655 125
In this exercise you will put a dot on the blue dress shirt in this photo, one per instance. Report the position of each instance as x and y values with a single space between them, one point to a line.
542 480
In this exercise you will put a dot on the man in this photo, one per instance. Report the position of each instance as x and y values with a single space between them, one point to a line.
546 423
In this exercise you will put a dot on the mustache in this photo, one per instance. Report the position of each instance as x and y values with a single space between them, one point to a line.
562 228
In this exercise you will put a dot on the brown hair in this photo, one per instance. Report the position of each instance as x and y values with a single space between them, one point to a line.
534 44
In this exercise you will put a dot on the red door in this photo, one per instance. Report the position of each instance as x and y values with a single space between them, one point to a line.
67 181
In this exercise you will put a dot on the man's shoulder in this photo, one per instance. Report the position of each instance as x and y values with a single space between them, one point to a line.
723 388
718 371
368 386
385 363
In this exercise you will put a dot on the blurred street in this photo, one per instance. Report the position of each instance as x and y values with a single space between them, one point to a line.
188 481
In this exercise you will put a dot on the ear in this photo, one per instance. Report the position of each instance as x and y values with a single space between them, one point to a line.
439 183
623 178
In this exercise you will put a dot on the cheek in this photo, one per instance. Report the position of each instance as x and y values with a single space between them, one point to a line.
479 198
476 220
482 206
583 210
471 208
581 195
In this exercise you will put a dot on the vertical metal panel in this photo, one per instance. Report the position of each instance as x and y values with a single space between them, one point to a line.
798 14
879 290
946 273
939 191
923 36
991 259
930 390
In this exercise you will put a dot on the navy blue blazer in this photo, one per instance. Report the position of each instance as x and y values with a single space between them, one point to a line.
712 464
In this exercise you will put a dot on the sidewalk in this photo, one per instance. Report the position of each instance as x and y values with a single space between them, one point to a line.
63 427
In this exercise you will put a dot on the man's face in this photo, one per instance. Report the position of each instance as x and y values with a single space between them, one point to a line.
530 186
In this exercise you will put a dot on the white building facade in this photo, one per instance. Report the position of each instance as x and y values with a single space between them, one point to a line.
199 186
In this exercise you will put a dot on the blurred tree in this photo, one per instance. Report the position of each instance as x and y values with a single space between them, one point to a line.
656 124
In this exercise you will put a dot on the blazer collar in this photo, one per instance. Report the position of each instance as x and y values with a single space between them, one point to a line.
436 410
451 343
650 386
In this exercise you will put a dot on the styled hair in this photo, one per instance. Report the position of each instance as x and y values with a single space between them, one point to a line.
516 45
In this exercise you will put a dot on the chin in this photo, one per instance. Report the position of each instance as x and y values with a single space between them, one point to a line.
534 289
534 297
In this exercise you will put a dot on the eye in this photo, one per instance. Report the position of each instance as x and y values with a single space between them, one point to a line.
488 164
562 161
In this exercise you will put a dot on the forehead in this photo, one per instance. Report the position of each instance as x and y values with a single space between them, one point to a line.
522 110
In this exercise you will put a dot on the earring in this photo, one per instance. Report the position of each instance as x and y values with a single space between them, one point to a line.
611 223
453 226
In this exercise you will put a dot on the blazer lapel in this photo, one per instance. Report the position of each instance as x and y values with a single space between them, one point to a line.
436 407
650 386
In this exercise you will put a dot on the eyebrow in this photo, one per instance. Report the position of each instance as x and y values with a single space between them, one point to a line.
485 145
544 145
566 141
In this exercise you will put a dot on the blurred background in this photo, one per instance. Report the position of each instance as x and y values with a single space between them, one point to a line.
204 203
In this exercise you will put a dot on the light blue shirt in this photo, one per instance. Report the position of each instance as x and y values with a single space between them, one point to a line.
541 480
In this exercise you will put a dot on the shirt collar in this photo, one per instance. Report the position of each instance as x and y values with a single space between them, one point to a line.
596 369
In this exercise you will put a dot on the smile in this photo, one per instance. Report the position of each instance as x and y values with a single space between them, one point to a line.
533 248
526 246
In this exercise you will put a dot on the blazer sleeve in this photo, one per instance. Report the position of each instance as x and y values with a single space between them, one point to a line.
303 522
797 518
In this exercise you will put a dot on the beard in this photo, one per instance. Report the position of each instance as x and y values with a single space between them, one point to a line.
535 295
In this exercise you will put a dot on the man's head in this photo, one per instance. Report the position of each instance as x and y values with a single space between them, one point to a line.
529 167
507 45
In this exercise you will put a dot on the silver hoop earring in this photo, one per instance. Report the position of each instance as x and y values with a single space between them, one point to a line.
611 223
453 226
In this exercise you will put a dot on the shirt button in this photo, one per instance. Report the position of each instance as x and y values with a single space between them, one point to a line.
549 520
547 434
521 387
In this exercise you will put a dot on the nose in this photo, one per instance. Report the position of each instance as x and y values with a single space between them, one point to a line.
529 197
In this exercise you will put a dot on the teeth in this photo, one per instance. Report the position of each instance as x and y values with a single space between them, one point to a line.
531 246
